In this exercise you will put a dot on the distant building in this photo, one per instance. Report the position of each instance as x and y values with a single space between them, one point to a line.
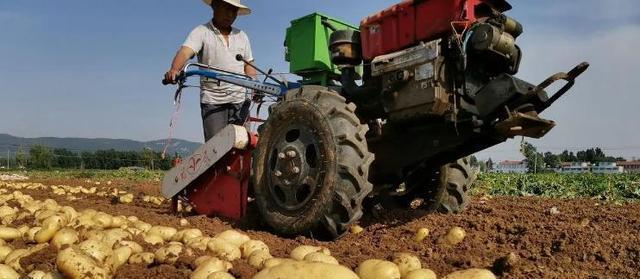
604 167
574 167
630 166
511 167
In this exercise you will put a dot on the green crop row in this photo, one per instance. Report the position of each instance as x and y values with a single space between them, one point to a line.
99 175
607 187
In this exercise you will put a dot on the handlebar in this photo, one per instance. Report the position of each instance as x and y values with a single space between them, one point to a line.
177 78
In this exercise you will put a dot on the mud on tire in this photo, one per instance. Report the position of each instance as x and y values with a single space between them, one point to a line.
321 189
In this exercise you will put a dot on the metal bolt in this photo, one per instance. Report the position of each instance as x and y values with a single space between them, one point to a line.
292 154
281 155
296 170
277 173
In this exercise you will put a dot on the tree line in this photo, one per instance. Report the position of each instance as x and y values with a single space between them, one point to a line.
537 161
42 157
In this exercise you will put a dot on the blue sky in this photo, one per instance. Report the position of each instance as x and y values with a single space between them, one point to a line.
77 68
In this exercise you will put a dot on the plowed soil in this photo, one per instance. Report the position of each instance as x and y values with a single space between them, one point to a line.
515 237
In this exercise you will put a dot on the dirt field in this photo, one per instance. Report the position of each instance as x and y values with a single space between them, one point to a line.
550 238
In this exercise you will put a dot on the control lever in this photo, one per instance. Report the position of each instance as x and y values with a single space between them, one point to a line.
239 57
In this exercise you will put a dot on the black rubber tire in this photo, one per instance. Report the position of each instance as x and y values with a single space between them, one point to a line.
443 189
459 178
344 161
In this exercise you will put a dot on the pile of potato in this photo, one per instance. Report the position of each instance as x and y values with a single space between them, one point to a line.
70 192
94 244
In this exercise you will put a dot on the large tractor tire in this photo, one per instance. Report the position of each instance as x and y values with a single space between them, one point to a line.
311 165
443 189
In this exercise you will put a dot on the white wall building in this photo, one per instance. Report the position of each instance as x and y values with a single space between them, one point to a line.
607 168
575 167
511 167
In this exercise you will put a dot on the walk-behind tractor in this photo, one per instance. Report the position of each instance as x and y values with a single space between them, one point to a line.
386 111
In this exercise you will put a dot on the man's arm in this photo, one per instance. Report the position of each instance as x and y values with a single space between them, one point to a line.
179 61
250 71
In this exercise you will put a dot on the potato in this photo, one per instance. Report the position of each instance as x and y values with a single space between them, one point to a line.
165 232
220 275
65 236
69 213
454 236
96 234
201 260
144 258
208 267
114 236
44 214
45 234
355 229
421 234
7 210
4 251
23 230
406 262
168 254
184 222
258 257
378 269
102 220
13 259
321 258
198 243
421 274
74 264
135 247
96 249
128 198
119 257
305 270
134 231
233 237
225 250
276 261
186 234
7 233
474 273
153 239
30 235
251 246
7 272
36 274
119 221
301 251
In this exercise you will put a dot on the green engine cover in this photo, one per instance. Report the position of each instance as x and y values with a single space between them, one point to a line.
307 47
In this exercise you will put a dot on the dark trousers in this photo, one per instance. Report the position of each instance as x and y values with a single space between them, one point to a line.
216 117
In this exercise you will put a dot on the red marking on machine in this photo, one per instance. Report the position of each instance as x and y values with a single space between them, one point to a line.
223 189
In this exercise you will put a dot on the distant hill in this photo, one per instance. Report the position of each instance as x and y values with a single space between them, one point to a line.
11 143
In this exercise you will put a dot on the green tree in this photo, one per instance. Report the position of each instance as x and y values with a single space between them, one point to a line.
21 157
535 160
551 160
40 157
65 158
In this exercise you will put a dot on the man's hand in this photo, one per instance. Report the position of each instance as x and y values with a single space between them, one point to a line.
171 76
181 58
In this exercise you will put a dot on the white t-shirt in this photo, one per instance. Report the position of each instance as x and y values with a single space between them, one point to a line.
211 48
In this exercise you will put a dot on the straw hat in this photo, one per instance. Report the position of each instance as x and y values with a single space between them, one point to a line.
242 9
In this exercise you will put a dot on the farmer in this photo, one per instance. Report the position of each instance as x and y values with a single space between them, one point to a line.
216 43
